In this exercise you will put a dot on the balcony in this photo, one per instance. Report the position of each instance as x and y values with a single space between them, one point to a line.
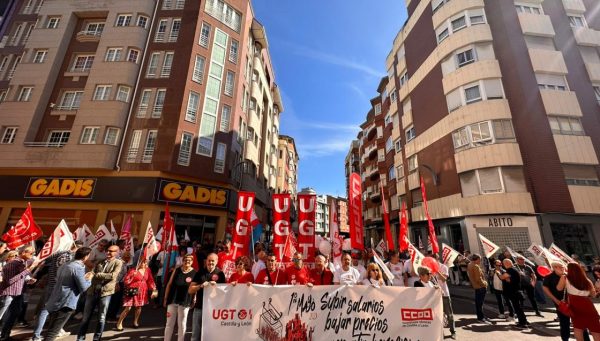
45 144
559 102
253 119
586 36
594 71
586 199
483 69
575 149
492 155
453 7
536 25
546 61
574 6
88 36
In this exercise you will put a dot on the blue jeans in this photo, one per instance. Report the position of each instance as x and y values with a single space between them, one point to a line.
479 298
42 316
5 302
196 324
90 304
11 315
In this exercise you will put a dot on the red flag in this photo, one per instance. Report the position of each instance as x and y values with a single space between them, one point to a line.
403 238
281 224
306 226
432 237
126 229
357 239
24 231
290 246
195 263
386 221
241 232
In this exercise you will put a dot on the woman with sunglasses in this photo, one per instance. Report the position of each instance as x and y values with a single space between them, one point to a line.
374 277
177 299
241 275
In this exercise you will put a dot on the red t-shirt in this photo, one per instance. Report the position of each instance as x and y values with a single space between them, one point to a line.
324 278
297 276
277 275
246 278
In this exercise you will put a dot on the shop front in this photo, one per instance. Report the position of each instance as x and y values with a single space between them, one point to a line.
574 233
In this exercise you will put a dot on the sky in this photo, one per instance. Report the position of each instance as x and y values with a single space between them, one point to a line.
328 58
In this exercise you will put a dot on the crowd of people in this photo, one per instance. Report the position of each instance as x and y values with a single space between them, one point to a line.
103 284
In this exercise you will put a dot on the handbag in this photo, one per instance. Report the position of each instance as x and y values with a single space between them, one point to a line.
563 306
131 292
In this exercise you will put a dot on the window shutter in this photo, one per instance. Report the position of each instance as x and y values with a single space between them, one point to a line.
468 183
489 178
514 181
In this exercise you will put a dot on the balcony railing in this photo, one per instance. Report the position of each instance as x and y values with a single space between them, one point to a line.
45 144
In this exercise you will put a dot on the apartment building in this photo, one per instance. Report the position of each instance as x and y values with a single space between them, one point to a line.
341 209
497 109
287 166
322 217
112 109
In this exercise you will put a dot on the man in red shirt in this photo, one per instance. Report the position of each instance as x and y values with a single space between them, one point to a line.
224 255
271 275
297 273
320 275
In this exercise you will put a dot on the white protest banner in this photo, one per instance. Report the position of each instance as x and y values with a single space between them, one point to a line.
538 253
516 255
60 240
101 233
489 248
556 251
448 255
321 313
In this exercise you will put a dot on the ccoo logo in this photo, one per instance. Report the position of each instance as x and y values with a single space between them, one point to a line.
410 315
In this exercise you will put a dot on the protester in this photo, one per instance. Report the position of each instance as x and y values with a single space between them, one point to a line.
596 274
9 256
442 279
478 282
52 263
374 276
271 275
137 283
424 278
346 274
501 298
320 275
71 281
260 264
116 301
463 265
396 267
241 275
103 286
511 285
178 300
528 279
357 263
411 274
212 275
583 312
455 273
98 254
297 273
225 250
15 274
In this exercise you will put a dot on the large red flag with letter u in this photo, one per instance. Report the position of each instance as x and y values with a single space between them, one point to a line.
357 237
281 225
24 231
432 237
241 233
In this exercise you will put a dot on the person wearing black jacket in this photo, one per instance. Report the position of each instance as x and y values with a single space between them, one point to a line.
511 284
528 279
209 275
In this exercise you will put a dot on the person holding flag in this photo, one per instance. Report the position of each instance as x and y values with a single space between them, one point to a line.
479 284
297 273
442 279
396 266
271 275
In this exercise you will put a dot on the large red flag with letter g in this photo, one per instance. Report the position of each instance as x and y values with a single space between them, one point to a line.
281 225
357 238
24 231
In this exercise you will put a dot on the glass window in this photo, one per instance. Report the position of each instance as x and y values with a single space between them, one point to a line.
112 136
123 20
192 107
489 180
89 135
472 94
198 74
70 100
53 22
229 82
233 51
204 35
225 118
102 93
185 149
220 158
134 145
159 103
40 56
167 64
133 55
25 94
142 21
8 137
465 57
480 133
459 23
150 145
123 93
113 54
460 138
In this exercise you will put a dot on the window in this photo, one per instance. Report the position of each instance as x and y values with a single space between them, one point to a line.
472 94
8 137
94 28
398 145
460 138
82 63
597 92
123 20
113 54
377 109
153 64
89 135
70 100
220 158
159 103
477 19
112 136
133 55
490 180
192 107
123 93
25 94
581 175
40 56
551 82
410 134
144 103
393 96
458 24
185 149
53 22
564 125
150 144
167 64
4 63
443 35
160 30
142 21
403 79
12 71
134 145
229 81
198 74
388 119
465 57
412 163
58 138
528 9
224 13
400 171
225 118
391 173
102 93
480 133
204 35
3 94
503 130
175 27
577 21
437 4
233 51
389 145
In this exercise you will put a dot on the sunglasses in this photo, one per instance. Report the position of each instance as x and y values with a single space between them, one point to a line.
376 270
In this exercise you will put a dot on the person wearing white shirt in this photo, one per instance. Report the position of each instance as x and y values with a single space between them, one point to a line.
412 275
259 264
397 269
346 274
356 263
374 276
442 278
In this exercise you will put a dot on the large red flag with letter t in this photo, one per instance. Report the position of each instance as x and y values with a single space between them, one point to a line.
357 238
306 225
241 233
281 225
24 231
